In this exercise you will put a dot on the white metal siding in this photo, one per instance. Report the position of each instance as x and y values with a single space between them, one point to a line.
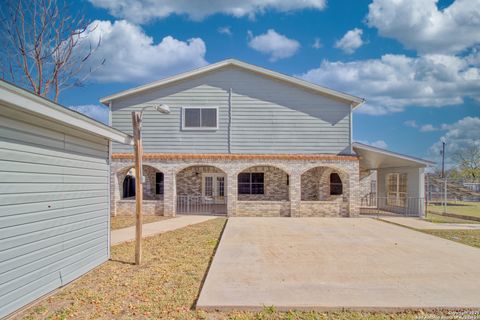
268 116
54 208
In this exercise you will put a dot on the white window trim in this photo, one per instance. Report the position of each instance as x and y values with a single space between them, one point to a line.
216 198
397 193
185 128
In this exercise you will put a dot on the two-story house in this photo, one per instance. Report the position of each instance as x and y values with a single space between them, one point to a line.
241 140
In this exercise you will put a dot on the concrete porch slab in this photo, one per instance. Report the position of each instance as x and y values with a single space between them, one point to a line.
336 263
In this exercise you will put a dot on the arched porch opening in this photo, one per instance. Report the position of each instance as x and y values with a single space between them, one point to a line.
153 190
263 190
152 183
324 192
201 189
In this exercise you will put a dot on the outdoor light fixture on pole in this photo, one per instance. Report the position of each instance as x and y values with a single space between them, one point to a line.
137 117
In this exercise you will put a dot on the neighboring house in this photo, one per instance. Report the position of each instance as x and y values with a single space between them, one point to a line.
245 141
54 195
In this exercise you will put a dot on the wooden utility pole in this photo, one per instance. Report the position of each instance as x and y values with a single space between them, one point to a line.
138 149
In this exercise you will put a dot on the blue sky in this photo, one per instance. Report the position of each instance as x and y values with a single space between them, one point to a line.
417 62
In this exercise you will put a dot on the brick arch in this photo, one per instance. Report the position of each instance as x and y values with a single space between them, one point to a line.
199 164
149 172
276 183
315 183
188 182
326 165
263 164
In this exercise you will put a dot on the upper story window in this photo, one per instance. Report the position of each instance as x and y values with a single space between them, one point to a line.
200 118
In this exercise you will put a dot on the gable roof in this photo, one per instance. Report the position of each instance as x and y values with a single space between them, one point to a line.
355 101
26 101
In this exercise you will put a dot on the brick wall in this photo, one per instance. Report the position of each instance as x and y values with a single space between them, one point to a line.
275 185
335 208
276 167
189 180
263 208
150 207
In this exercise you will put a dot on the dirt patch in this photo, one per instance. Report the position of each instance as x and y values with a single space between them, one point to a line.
119 222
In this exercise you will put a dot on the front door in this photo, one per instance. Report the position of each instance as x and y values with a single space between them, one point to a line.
213 187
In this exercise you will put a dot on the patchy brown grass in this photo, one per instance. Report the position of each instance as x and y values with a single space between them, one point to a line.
438 218
468 237
458 207
165 286
119 222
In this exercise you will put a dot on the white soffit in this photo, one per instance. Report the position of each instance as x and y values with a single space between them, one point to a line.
376 158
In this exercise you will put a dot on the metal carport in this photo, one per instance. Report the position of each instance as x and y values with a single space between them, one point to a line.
385 163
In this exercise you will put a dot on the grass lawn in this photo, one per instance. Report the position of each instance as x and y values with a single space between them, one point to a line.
458 207
166 286
468 237
119 222
437 218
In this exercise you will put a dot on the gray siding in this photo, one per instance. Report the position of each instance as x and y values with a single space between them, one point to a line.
267 116
54 208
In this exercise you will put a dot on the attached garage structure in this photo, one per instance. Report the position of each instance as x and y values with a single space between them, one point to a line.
54 195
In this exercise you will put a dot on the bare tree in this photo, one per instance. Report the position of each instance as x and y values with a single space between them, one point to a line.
468 159
41 46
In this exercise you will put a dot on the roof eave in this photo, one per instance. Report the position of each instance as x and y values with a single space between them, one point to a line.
391 153
354 101
24 100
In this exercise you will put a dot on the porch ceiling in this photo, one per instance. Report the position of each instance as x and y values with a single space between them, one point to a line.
376 158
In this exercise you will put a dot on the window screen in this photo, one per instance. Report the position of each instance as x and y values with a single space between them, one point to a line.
397 189
200 118
251 183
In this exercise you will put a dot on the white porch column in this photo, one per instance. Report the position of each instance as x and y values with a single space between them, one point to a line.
169 193
295 193
232 194
421 192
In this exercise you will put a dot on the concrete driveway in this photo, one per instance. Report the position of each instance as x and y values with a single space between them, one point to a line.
334 263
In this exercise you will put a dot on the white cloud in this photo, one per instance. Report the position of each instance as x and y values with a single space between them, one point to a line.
351 41
420 25
132 56
99 113
378 143
274 44
411 123
317 44
428 128
394 82
141 11
225 30
461 134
